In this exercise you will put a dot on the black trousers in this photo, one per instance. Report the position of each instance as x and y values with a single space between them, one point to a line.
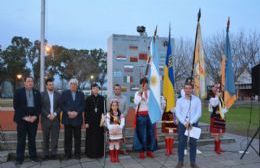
23 129
74 131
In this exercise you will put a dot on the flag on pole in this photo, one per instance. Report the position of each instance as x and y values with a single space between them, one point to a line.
199 65
230 94
168 80
154 104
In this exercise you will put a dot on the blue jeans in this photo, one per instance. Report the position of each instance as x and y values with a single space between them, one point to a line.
144 137
182 139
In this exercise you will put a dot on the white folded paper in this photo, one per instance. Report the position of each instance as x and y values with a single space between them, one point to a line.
194 132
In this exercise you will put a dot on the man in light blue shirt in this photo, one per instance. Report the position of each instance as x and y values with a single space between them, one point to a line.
188 112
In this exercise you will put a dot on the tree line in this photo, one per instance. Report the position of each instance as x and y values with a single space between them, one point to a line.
22 56
245 50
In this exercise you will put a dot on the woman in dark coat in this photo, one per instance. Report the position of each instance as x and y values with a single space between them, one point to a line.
95 107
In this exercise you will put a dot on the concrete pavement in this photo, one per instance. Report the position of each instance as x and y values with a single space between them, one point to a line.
208 159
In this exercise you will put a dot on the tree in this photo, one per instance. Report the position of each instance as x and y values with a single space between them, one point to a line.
183 53
245 51
14 58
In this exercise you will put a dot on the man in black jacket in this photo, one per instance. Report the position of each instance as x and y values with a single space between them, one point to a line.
27 107
72 105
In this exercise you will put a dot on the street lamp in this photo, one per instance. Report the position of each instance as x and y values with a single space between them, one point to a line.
17 81
49 50
19 76
92 77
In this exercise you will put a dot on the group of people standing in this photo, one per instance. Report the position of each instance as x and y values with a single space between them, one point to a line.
53 108
100 115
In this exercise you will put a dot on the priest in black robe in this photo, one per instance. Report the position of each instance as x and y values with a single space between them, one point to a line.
95 108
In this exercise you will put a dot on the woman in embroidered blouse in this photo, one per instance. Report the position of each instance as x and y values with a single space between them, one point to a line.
217 121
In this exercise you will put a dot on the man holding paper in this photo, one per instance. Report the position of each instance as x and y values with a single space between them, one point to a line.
188 112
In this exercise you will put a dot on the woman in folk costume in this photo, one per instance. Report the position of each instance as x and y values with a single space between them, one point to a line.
217 120
169 126
115 122
144 136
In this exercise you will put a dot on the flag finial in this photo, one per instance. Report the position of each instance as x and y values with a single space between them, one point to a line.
155 32
199 15
228 24
170 29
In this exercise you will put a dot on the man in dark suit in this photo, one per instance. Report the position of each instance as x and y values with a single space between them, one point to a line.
72 106
50 119
27 107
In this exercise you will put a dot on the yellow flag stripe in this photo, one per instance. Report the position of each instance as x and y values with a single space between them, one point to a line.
168 91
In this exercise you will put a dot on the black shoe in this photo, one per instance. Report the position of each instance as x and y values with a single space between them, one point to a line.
67 157
35 160
77 157
46 157
179 165
18 162
193 165
53 157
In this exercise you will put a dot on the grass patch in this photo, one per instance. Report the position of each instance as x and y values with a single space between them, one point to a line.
238 119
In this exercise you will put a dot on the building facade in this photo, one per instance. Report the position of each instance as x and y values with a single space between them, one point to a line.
127 59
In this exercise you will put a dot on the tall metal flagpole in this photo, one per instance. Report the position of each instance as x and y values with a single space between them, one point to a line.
42 57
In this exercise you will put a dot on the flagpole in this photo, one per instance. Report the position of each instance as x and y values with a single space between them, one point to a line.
147 69
223 79
42 57
228 24
199 15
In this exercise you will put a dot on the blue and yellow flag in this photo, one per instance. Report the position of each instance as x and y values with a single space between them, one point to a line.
230 94
154 102
168 82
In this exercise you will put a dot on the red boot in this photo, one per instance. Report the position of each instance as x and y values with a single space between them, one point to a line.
218 147
150 154
171 142
116 155
141 155
215 142
167 153
111 153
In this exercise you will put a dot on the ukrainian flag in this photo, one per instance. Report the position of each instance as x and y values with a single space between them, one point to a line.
154 102
168 82
230 94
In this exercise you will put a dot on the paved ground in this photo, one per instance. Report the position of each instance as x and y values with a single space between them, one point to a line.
208 159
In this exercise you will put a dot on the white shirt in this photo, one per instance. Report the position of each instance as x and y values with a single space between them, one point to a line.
188 110
51 102
144 103
111 126
182 93
213 102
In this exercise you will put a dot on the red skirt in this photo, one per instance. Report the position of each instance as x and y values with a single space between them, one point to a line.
217 125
